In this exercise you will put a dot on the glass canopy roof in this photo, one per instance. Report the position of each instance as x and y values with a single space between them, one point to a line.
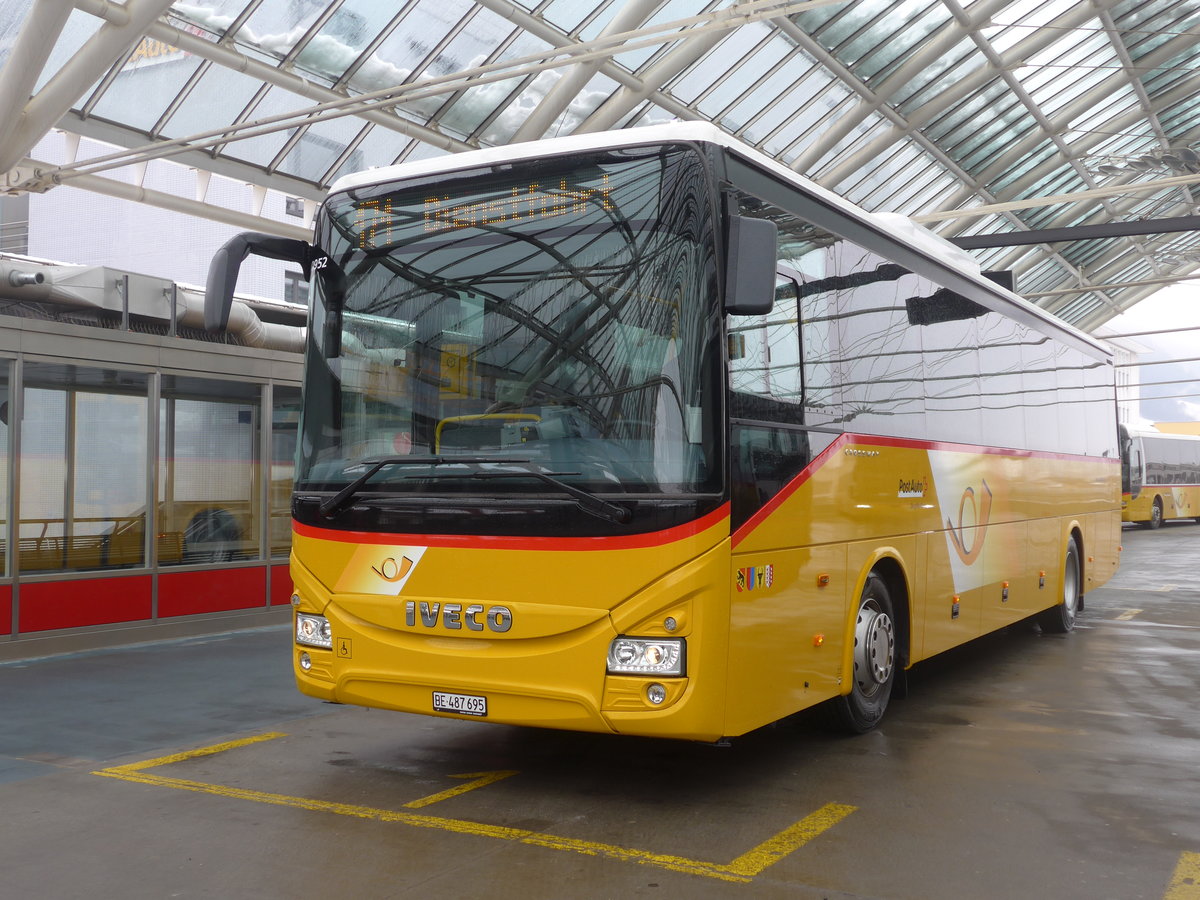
976 118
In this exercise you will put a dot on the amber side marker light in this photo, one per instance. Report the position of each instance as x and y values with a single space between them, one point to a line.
823 580
818 640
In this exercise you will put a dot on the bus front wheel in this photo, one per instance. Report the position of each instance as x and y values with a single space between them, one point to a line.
1156 514
874 659
1061 618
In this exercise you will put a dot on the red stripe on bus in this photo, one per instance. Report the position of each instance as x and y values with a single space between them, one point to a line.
853 440
917 444
512 542
788 489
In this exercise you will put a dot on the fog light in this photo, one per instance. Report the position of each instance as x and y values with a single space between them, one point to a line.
656 694
313 631
305 661
646 656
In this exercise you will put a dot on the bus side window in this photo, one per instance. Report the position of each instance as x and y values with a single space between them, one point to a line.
766 381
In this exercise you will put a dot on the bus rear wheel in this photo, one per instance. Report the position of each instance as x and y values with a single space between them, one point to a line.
1061 619
874 659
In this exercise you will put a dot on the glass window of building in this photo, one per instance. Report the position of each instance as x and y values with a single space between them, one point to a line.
285 418
209 503
82 469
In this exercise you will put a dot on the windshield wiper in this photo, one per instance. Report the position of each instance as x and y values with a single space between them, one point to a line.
334 504
588 502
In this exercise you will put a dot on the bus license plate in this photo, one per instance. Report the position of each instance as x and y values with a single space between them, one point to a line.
463 704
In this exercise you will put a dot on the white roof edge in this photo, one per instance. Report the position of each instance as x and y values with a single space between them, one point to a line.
917 236
1170 435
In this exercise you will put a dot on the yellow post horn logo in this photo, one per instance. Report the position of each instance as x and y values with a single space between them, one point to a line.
392 571
983 515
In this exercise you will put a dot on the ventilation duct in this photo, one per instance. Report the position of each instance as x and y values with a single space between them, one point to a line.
98 288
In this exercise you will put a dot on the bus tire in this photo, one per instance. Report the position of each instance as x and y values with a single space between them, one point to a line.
1156 514
874 659
1060 619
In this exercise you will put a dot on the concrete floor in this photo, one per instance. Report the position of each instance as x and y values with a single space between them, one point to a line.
1022 766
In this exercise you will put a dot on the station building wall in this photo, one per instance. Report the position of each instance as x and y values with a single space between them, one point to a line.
144 480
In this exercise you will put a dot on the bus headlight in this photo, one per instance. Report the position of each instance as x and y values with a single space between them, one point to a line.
646 656
313 631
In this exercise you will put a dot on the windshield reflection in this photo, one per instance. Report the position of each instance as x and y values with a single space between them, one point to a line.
564 318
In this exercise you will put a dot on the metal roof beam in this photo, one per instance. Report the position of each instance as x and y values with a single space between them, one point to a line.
40 31
849 80
953 32
953 94
651 80
573 80
224 56
722 20
125 191
1088 288
1111 190
1184 90
201 160
109 44
1078 233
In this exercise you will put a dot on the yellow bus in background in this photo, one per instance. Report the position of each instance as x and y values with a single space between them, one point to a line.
1160 477
642 433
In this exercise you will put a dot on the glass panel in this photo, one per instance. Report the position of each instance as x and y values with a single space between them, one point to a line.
148 83
553 319
568 14
751 62
208 472
320 146
343 38
83 469
780 80
214 16
904 24
505 125
216 100
412 40
79 29
718 64
262 149
380 147
276 27
285 417
670 11
786 104
891 51
472 45
12 15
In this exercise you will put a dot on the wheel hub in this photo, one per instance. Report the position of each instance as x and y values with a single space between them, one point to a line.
874 648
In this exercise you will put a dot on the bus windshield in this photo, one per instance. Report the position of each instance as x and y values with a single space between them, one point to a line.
558 320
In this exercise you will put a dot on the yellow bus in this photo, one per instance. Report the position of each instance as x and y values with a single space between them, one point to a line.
1160 476
642 433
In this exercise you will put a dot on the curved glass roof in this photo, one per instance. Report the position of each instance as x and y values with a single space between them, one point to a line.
976 118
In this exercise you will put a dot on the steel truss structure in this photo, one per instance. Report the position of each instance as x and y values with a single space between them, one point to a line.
977 118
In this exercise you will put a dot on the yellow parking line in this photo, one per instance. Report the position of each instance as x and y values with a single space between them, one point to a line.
793 838
743 869
1185 883
1128 614
482 779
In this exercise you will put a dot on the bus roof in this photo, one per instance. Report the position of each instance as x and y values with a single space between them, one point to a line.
897 226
